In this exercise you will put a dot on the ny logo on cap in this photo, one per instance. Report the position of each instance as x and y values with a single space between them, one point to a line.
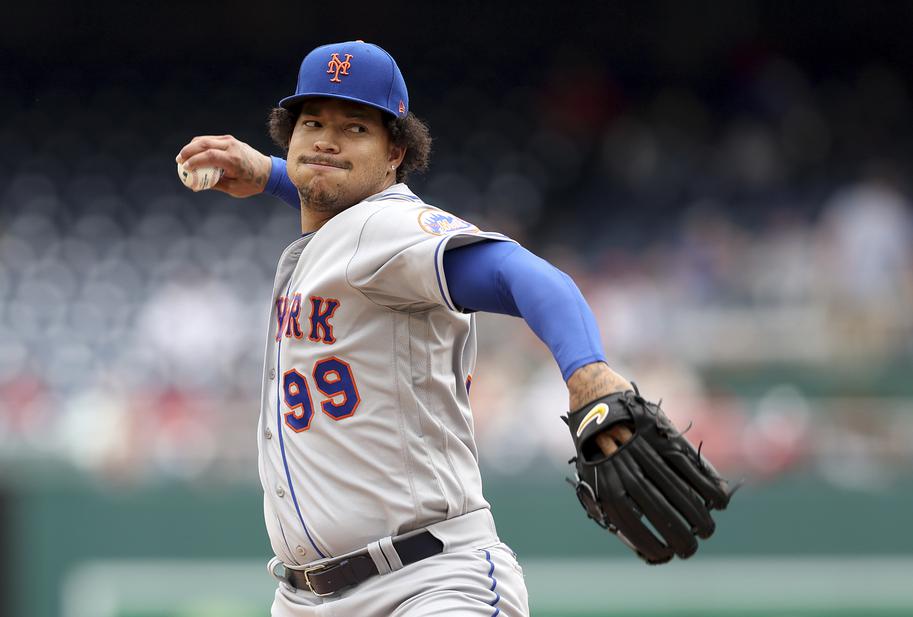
338 67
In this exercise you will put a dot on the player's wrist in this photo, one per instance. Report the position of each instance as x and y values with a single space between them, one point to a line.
593 381
276 171
266 169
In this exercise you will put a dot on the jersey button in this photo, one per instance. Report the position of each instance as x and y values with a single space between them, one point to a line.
272 373
280 491
301 550
268 433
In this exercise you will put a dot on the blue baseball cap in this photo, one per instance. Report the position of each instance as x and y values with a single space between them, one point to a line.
354 71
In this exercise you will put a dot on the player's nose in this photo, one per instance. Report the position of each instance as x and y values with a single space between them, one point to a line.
326 145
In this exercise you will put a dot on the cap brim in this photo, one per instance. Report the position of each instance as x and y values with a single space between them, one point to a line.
289 101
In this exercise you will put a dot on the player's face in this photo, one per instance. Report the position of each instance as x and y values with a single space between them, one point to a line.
340 152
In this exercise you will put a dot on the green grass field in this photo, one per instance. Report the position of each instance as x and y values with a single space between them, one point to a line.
702 587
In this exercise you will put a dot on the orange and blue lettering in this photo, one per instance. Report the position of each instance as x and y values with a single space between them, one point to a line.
321 312
298 400
292 326
334 378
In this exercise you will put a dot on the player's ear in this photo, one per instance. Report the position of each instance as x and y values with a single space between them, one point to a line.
397 154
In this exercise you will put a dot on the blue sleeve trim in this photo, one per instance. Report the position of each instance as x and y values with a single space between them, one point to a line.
279 185
498 277
443 248
437 271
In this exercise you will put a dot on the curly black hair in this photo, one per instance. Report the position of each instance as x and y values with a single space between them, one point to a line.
408 132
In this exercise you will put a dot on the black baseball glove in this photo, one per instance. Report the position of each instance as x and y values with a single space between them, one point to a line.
657 475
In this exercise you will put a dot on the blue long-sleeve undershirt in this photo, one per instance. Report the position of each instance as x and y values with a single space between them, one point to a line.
279 184
505 278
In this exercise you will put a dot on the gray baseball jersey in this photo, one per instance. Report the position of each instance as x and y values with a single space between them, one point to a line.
365 426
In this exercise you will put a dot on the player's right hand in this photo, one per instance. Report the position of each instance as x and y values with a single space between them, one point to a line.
246 170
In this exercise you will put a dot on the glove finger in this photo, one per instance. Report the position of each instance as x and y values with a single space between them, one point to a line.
688 503
622 513
656 508
707 483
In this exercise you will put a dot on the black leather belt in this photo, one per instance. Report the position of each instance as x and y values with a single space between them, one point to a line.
325 580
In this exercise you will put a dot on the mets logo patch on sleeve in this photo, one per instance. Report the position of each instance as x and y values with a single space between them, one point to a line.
438 222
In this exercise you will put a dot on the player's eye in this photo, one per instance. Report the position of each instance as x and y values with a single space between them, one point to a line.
358 128
311 123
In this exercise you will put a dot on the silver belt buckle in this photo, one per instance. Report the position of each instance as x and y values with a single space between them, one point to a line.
307 580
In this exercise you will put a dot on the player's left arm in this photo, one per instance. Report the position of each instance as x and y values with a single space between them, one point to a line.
503 277
658 476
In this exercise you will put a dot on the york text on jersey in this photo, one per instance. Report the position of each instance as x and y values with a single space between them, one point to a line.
288 312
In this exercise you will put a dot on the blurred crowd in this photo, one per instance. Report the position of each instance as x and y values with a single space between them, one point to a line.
759 220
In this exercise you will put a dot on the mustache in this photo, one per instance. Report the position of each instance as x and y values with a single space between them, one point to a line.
321 160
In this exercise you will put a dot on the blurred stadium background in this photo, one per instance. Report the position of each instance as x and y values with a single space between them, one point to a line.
727 181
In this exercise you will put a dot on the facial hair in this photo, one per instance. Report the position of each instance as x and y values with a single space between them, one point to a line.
331 199
320 200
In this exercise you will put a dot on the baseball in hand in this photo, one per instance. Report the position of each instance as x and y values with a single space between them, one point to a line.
199 179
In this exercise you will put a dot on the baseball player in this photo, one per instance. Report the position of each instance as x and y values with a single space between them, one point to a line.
372 492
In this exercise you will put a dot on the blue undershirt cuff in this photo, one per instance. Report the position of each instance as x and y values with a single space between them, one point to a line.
279 184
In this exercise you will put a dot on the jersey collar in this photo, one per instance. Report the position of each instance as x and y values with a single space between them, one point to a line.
397 190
